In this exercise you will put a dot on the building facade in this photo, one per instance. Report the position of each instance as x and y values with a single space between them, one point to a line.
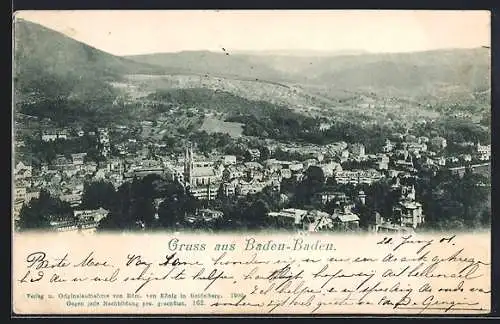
201 178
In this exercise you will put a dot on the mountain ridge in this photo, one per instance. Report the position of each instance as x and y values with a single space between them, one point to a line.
347 72
49 64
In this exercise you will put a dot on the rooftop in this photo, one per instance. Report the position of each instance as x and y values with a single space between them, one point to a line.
410 204
203 172
349 217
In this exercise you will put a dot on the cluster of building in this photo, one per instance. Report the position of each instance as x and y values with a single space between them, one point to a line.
207 177
66 175
53 134
406 215
84 221
317 221
65 181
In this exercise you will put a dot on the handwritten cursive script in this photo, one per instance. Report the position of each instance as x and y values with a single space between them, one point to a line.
407 274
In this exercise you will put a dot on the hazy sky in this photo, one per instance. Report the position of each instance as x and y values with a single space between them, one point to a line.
138 32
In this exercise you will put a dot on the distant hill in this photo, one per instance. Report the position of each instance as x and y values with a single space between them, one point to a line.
251 89
67 75
303 53
405 74
212 63
467 67
218 100
59 64
48 63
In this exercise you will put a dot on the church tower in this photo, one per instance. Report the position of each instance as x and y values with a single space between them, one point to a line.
412 194
188 165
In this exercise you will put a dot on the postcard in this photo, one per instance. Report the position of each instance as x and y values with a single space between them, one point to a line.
251 162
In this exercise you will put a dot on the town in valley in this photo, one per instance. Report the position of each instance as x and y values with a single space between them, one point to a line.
143 149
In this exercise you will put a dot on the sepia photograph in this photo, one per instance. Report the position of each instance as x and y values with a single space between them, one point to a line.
285 123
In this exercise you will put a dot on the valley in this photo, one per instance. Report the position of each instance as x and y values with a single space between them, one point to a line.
225 140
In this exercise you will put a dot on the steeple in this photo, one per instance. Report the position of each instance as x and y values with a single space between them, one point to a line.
413 192
186 160
191 158
188 164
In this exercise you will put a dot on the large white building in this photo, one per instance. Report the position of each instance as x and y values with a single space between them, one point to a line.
357 150
484 151
409 213
201 178
104 141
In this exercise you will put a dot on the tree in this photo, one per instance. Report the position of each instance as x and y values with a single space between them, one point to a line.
314 176
169 141
365 215
452 202
264 153
30 218
143 193
255 216
313 182
98 194
474 194
120 216
174 206
486 119
42 210
111 223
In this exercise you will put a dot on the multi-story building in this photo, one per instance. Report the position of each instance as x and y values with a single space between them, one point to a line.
357 151
415 147
229 188
388 146
19 200
61 161
317 221
382 225
103 136
22 171
325 197
49 137
78 158
344 219
285 173
254 154
202 178
228 160
330 169
175 172
32 194
94 215
357 176
234 172
409 213
292 217
382 162
244 188
438 143
208 215
296 167
484 151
